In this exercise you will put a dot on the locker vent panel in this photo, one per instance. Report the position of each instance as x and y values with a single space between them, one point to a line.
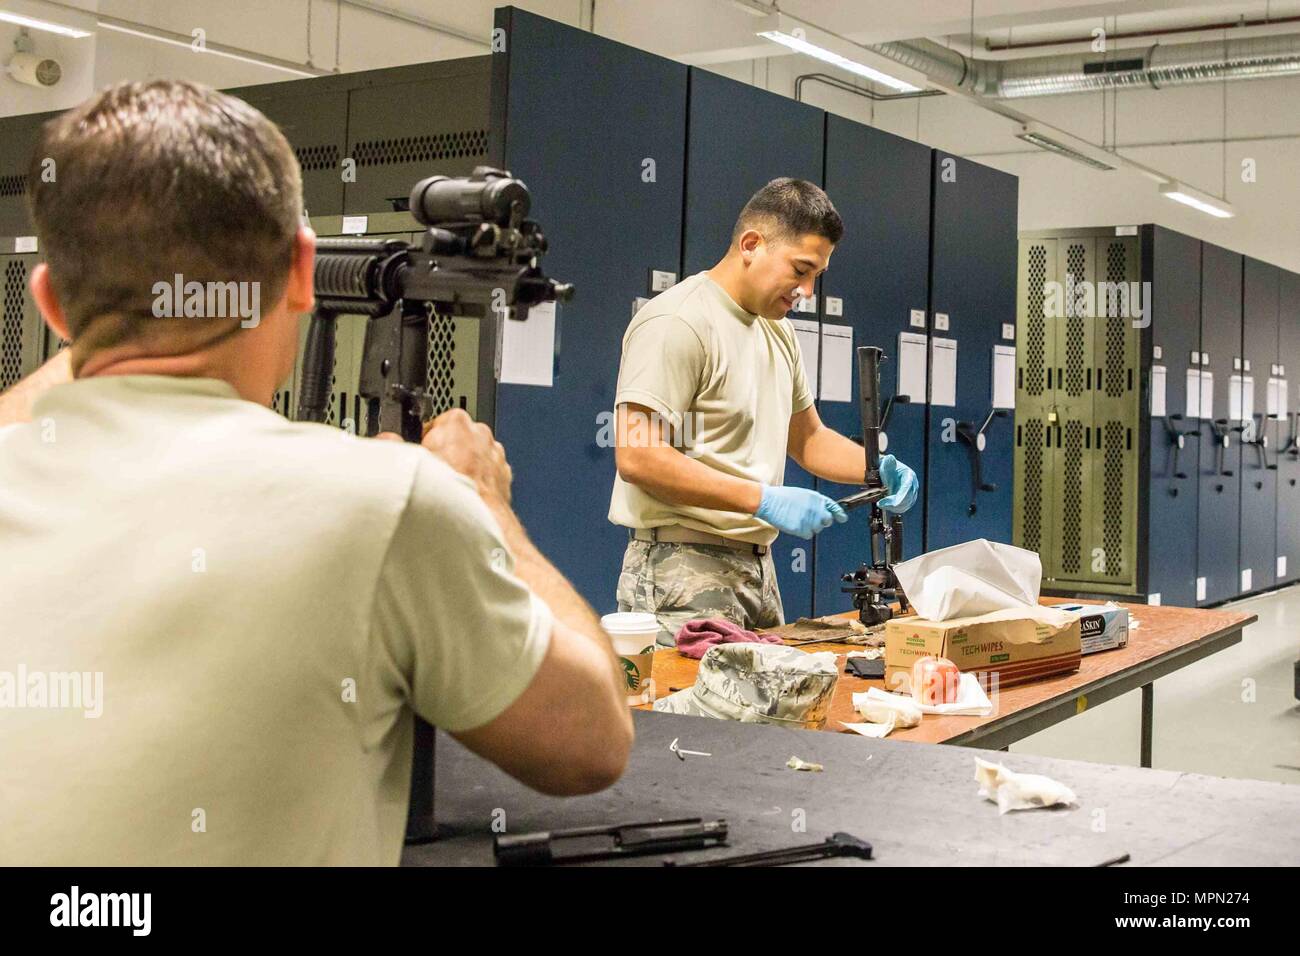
1113 499
1037 334
1032 500
1072 499
11 339
442 362
315 158
422 149
14 185
1116 274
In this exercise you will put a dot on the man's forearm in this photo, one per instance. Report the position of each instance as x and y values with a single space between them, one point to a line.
16 403
828 454
677 479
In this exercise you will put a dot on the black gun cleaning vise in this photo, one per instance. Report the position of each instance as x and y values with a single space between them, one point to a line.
873 586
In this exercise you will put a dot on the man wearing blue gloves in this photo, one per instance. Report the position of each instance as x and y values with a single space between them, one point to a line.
711 398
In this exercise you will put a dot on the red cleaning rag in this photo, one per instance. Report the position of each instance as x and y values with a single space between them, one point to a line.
698 636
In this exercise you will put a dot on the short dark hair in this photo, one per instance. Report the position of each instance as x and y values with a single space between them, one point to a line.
155 178
789 208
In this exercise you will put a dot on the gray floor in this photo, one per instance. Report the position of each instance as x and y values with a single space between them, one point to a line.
1205 719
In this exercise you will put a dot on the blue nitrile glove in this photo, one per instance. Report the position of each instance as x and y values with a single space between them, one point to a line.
901 482
800 511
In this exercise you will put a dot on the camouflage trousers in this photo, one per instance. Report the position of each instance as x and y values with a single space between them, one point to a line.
679 582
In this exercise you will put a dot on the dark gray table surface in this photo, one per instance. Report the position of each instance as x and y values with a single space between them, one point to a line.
917 804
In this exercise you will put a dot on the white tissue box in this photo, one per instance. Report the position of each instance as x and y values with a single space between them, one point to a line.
1102 627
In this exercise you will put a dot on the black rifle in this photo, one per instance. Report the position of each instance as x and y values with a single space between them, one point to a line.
478 257
874 585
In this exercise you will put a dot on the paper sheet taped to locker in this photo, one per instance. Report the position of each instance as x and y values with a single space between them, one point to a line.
912 361
943 371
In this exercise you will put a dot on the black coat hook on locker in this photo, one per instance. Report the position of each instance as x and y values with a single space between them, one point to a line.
974 439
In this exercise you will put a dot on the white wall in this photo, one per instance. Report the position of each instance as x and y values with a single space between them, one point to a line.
1176 130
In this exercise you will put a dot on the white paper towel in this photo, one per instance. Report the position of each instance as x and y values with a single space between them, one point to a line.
971 578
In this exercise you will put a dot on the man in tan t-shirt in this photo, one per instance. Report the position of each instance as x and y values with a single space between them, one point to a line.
218 624
711 397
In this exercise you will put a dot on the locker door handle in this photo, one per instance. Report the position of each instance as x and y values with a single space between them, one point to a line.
889 407
974 439
1292 447
1222 432
1260 443
1178 438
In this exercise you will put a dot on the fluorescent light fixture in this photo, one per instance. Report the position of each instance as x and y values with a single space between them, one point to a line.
833 49
48 18
1063 144
1180 192
187 41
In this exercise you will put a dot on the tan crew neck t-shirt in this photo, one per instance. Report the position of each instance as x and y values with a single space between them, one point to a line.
255 608
728 381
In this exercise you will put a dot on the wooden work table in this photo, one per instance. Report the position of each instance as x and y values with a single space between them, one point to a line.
1164 640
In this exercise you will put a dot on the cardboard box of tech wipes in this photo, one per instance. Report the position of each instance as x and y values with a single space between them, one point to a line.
1017 644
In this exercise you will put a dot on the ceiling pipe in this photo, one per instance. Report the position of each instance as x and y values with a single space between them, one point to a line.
1156 68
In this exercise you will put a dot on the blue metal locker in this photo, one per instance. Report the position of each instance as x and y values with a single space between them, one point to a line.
973 244
577 118
1219 518
1259 312
740 138
880 183
1173 265
1288 457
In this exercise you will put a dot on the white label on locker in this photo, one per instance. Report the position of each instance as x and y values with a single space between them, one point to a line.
834 305
1157 390
1234 398
355 225
638 303
1008 331
528 347
943 371
805 333
1245 579
1126 230
1205 359
1246 365
1193 409
1207 394
808 304
1236 363
661 280
912 360
1196 358
917 318
941 321
1157 352
1270 398
837 363
1004 376
1200 589
25 244
1281 565
1154 599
